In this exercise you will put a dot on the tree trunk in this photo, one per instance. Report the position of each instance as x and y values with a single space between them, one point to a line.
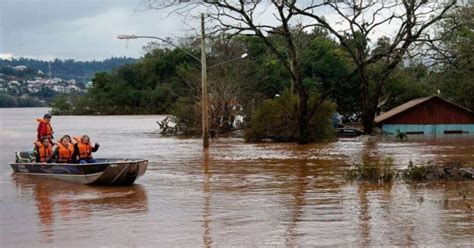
303 113
369 110
303 120
297 85
368 120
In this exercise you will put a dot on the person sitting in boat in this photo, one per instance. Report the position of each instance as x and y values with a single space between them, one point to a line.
83 149
68 138
44 130
43 151
64 150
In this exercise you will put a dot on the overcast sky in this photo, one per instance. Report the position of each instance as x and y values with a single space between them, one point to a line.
79 29
88 29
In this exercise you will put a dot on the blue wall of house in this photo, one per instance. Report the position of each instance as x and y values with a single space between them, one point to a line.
427 129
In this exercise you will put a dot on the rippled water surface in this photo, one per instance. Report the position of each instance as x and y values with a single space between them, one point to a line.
236 194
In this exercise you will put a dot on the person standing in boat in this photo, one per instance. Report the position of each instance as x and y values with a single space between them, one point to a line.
44 130
43 151
83 149
64 150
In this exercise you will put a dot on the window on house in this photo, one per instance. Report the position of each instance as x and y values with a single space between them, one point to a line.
453 131
415 132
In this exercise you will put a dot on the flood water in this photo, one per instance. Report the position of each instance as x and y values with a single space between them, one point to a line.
234 195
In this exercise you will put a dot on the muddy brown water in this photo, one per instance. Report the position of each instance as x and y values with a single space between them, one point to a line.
234 195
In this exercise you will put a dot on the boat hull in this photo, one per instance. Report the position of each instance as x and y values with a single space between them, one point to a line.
104 172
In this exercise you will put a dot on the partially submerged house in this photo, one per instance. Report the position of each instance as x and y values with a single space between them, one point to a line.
427 115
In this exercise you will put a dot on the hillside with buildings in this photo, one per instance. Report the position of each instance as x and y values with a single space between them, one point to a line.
81 71
28 82
21 86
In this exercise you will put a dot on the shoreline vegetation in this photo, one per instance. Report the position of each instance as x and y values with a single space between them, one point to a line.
384 172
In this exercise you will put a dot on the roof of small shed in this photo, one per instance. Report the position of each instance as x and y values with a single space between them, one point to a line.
409 105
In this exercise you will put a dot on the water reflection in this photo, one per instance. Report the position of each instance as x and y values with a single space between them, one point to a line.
206 192
299 201
366 203
370 150
77 203
45 212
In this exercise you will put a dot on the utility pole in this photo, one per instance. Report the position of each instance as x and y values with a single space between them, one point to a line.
205 120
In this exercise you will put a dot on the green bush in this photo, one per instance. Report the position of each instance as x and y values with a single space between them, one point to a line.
277 120
415 173
61 105
372 171
82 105
7 101
186 114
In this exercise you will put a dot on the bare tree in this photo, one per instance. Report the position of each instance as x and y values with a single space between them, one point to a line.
226 83
356 22
449 35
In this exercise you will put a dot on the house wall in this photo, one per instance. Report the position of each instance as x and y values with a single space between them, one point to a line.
427 128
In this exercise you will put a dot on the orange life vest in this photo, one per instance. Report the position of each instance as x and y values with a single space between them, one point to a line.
49 129
43 152
85 150
64 153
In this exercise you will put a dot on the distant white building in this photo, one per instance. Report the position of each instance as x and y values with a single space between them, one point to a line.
56 80
89 84
33 88
13 83
72 88
19 67
59 88
48 82
33 82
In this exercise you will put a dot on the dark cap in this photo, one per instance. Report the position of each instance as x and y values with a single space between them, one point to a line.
47 116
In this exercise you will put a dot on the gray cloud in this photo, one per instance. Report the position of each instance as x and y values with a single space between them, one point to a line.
78 29
30 14
87 29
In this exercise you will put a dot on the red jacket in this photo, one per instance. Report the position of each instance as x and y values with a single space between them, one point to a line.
44 130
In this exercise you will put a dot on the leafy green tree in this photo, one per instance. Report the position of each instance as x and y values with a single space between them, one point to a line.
61 105
406 83
149 86
274 120
454 72
7 100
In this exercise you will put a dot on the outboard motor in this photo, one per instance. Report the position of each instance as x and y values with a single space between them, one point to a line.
24 157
